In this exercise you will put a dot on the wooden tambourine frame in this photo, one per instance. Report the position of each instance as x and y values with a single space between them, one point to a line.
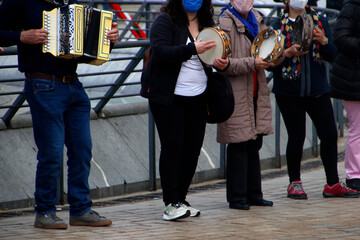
222 49
268 44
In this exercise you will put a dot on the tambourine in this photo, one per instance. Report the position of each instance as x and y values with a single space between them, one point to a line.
222 48
268 44
303 31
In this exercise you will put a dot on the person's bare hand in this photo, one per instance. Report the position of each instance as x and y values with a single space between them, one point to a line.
261 63
1 49
294 51
202 47
113 34
34 36
221 63
319 36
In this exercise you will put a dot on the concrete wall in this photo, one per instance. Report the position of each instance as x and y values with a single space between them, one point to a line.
120 155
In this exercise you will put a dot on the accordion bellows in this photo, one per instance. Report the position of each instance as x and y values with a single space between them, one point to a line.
78 31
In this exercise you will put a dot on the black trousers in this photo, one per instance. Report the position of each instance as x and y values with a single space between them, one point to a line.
293 110
181 129
243 177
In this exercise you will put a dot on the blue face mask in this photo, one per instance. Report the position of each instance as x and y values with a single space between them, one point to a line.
192 5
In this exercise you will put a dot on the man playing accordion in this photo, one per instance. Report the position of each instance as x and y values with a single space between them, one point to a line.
60 111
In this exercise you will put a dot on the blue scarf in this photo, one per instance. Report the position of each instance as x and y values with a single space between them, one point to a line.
250 23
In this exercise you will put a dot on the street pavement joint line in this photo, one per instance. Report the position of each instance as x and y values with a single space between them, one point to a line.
102 172
208 158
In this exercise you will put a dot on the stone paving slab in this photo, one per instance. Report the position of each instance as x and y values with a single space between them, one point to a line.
315 218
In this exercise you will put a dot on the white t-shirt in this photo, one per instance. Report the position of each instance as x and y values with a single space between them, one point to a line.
192 79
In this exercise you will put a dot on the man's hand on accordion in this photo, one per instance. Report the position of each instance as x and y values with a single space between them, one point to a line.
34 36
113 34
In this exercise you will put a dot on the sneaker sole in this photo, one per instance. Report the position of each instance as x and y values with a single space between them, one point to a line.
299 196
91 224
196 214
58 226
185 215
329 195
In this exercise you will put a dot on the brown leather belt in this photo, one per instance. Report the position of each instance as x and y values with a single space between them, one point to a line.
64 79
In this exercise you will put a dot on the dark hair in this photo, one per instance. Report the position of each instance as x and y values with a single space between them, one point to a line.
175 9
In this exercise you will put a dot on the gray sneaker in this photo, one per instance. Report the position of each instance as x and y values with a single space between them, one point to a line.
90 218
193 211
175 211
49 221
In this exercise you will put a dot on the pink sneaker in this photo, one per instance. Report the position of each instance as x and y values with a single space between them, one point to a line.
296 191
340 190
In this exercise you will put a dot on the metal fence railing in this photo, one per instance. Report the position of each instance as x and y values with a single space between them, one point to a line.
120 78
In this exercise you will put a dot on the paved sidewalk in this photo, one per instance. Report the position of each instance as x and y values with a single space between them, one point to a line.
315 218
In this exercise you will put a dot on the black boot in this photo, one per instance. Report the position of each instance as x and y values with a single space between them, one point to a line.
353 183
241 205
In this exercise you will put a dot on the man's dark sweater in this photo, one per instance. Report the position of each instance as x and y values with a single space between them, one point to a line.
18 15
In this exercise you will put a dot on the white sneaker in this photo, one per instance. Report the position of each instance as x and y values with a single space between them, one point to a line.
175 211
193 211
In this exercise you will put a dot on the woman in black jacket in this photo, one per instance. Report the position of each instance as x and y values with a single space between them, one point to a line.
174 81
345 83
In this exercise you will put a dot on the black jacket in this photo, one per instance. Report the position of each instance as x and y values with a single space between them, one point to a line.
334 4
168 51
345 74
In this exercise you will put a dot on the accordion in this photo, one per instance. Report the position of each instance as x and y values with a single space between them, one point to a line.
78 31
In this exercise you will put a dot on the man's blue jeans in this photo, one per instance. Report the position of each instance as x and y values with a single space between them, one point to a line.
60 115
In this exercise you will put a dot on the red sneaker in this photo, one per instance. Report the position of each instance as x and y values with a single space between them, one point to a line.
296 191
340 190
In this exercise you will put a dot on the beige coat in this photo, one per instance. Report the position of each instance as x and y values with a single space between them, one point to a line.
241 125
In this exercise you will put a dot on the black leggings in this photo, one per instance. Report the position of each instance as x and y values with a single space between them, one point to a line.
243 180
293 110
181 129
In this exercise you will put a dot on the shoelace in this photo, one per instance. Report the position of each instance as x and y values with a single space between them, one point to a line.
97 214
343 185
176 205
298 187
93 212
54 217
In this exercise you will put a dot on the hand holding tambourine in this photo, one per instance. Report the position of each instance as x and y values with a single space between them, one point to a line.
268 46
216 55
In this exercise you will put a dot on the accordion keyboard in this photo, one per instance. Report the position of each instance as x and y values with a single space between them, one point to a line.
51 24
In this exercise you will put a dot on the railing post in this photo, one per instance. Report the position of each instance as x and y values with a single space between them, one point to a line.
315 146
277 137
152 155
223 161
147 18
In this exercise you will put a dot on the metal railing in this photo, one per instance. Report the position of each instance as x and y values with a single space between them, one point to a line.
143 13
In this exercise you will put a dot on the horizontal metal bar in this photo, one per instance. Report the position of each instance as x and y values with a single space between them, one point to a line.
116 96
12 80
10 93
8 66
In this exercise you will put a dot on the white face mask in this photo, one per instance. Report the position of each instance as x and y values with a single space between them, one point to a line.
298 4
